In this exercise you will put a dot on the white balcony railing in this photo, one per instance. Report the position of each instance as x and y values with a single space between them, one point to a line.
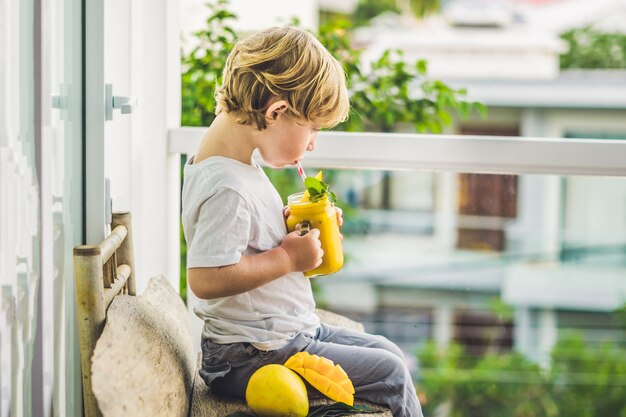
476 154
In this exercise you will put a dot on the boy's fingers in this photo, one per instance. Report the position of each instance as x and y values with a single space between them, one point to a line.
303 228
315 233
339 216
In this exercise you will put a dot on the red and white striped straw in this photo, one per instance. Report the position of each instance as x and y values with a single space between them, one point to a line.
300 170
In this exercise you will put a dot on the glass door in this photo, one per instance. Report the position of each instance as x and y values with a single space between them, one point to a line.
41 205
20 235
61 201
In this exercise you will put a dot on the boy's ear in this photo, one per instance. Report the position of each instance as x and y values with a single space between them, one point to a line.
275 109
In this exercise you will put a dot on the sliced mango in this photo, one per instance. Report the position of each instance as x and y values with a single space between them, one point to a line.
322 373
306 195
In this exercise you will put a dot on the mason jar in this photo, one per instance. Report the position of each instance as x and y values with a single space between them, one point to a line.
318 215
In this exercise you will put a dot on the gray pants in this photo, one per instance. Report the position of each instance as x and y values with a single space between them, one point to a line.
373 363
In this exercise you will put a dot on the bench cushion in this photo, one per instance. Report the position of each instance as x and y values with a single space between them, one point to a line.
144 362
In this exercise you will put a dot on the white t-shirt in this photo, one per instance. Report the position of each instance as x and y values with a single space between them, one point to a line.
230 209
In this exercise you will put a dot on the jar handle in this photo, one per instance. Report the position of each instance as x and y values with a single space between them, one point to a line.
304 227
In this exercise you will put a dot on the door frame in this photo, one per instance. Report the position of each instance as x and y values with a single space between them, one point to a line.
94 119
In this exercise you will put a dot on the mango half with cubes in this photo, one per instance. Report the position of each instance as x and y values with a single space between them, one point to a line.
328 378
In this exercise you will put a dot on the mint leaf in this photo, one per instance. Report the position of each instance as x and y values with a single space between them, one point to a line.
318 190
315 186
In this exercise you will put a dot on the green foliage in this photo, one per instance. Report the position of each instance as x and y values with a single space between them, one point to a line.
183 243
203 67
328 17
620 317
502 310
584 380
490 386
591 49
366 10
422 8
392 91
286 181
335 36
395 92
588 382
183 265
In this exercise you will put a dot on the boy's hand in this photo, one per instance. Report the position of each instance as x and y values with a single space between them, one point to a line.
305 252
339 216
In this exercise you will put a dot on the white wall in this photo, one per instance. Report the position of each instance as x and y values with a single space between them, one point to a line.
486 54
560 16
596 210
143 58
156 80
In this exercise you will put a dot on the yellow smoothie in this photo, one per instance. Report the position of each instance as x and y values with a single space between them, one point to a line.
320 215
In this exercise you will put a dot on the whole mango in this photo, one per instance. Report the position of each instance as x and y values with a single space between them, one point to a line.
277 391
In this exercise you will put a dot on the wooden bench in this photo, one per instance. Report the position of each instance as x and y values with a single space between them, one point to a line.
137 354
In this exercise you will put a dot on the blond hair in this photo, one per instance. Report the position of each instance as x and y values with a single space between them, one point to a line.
287 63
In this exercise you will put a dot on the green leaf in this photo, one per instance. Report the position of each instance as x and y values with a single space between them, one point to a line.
421 66
318 190
339 409
314 186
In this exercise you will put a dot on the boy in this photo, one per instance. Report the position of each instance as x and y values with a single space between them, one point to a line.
280 86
